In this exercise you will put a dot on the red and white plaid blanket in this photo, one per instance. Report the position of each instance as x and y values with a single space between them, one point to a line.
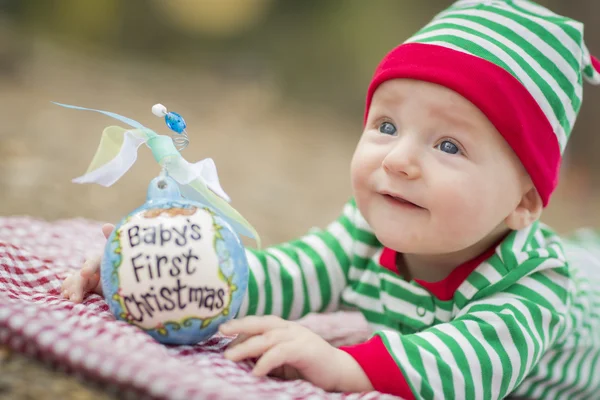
86 340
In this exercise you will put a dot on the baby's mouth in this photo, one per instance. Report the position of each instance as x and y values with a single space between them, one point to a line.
397 200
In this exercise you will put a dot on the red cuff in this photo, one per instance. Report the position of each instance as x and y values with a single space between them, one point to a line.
380 368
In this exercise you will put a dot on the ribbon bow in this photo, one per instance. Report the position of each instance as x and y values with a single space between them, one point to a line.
199 181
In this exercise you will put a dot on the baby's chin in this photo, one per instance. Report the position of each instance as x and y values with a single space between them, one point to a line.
420 244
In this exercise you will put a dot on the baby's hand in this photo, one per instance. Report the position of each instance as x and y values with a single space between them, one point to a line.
86 280
288 350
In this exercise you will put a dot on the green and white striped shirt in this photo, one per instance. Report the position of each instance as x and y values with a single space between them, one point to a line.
524 319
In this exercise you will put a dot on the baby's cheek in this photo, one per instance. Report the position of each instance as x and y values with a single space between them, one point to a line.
465 216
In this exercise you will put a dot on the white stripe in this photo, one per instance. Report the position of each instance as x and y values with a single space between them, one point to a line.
551 27
355 274
259 275
518 30
276 286
595 78
516 302
570 376
548 265
541 289
467 289
443 314
542 371
539 237
362 301
497 371
337 279
535 9
433 373
555 373
404 285
312 282
396 346
520 242
447 357
357 219
365 276
243 311
506 341
586 372
364 250
543 253
535 91
342 236
546 317
489 272
529 347
295 273
405 308
474 365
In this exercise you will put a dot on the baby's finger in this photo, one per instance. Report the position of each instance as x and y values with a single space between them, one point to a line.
91 266
277 356
91 283
107 229
239 339
76 296
257 345
252 325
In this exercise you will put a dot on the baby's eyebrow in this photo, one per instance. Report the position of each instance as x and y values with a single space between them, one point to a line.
454 116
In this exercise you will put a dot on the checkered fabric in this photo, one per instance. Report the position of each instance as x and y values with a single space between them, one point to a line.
85 339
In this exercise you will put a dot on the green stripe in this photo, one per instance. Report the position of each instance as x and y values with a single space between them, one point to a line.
558 22
416 362
478 280
529 294
552 98
589 70
293 255
252 293
322 274
550 366
546 63
558 290
361 262
336 248
491 337
506 250
377 318
497 264
484 360
445 371
578 376
287 288
588 384
556 381
544 35
461 360
268 288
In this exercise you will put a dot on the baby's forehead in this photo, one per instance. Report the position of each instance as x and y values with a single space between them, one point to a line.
425 98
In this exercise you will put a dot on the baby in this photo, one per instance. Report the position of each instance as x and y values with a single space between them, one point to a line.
441 248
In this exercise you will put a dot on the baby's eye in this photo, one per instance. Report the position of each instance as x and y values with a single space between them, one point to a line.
448 147
387 128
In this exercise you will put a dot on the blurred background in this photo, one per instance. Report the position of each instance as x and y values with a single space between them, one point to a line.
273 90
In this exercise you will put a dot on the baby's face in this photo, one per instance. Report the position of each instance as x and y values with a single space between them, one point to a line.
431 174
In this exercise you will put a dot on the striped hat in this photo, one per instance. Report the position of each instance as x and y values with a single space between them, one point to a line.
521 64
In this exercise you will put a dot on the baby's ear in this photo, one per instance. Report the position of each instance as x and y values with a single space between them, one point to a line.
527 212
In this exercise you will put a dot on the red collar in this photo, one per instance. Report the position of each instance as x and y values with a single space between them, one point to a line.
444 289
